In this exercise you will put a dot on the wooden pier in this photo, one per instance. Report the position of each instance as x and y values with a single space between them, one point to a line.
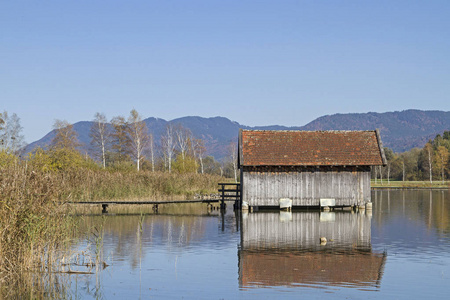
227 192
230 192
105 204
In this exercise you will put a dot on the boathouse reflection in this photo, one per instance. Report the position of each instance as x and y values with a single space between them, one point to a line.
284 249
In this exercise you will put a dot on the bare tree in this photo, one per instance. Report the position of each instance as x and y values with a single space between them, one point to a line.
65 136
168 144
164 154
184 142
389 172
100 136
138 132
390 157
184 138
120 139
374 169
222 167
381 174
403 169
232 151
429 152
151 146
199 151
3 143
11 139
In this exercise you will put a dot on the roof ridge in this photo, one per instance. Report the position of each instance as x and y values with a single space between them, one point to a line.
296 130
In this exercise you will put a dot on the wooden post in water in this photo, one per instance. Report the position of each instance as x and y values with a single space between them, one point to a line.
222 202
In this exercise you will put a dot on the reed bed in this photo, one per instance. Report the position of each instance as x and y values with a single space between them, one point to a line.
31 228
37 231
98 185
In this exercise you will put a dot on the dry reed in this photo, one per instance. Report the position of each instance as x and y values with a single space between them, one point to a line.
31 227
36 230
97 185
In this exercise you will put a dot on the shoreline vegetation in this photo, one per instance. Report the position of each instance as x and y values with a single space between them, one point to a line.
37 232
410 184
103 185
34 229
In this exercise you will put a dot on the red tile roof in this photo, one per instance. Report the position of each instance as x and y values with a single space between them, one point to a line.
310 148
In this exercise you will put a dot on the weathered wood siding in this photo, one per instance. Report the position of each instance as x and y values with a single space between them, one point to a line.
302 230
306 188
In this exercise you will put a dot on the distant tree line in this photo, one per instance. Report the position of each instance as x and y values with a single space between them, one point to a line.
126 144
122 144
125 141
432 162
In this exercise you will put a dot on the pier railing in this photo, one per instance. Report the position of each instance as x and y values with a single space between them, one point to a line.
229 192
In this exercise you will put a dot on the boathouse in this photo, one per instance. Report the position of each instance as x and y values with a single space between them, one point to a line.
307 168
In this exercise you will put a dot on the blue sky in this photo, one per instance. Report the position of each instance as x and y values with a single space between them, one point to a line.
255 62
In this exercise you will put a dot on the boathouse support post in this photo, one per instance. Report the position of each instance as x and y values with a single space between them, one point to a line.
222 202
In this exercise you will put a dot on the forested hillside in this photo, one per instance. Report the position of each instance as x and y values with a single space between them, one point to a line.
400 131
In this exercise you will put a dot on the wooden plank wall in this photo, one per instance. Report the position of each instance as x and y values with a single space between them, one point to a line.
305 188
303 230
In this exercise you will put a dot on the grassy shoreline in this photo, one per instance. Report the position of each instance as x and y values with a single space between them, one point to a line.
410 184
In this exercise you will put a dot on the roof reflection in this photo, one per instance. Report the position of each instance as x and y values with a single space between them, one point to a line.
284 249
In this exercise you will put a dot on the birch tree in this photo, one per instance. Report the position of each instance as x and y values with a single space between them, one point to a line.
120 139
168 145
100 136
65 136
3 142
381 174
232 150
183 138
151 146
199 151
11 138
429 154
390 156
138 133
403 170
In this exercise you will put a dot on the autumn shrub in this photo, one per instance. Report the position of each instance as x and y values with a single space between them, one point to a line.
184 165
7 159
61 159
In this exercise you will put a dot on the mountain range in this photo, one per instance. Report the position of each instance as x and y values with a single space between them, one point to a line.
399 130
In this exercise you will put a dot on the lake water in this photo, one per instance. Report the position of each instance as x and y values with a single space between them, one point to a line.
401 250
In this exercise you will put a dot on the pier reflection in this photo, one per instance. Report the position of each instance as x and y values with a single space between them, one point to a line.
284 249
